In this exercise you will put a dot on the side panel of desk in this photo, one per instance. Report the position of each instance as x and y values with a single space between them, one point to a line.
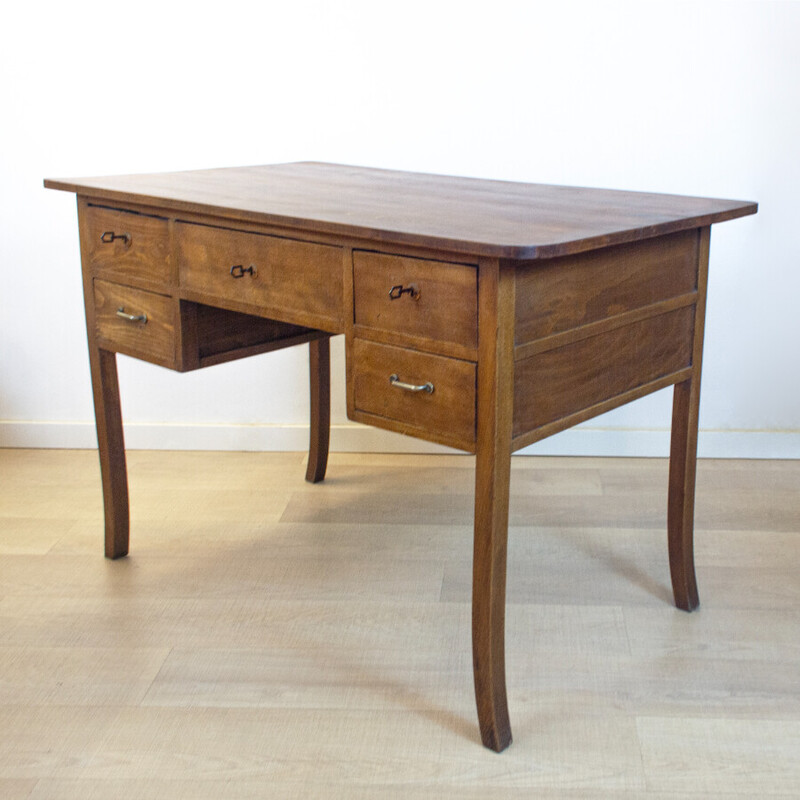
599 329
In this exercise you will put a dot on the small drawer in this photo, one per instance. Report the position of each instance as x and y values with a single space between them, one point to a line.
431 300
126 246
445 411
135 322
291 280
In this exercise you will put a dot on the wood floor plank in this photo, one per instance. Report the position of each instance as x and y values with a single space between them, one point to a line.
51 741
667 687
254 789
13 789
268 638
322 747
730 762
619 580
77 676
720 510
398 661
615 579
23 535
738 634
207 576
238 623
745 549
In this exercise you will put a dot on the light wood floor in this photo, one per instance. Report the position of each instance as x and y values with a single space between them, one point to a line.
272 639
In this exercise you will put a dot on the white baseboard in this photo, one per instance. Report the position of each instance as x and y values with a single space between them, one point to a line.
352 437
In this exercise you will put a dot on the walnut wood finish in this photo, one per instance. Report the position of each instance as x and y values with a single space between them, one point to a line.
295 281
442 308
138 249
447 414
565 380
220 335
319 360
108 413
569 292
683 453
111 449
151 338
139 252
582 300
463 215
492 474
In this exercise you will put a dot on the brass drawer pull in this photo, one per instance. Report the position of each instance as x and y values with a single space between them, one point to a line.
411 387
109 236
122 314
239 271
412 290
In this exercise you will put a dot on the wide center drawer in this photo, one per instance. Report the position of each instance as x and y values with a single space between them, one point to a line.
413 297
387 386
286 279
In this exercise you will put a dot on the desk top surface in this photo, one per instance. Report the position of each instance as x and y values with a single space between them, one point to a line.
467 215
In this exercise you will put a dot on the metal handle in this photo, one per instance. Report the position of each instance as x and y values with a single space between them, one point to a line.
239 270
412 290
122 314
411 387
109 236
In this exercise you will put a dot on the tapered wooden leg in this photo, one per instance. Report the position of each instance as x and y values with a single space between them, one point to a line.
680 510
111 448
489 595
683 451
320 385
492 473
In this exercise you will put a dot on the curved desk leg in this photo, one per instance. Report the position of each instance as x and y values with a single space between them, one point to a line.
111 448
683 452
320 386
492 473
680 510
489 595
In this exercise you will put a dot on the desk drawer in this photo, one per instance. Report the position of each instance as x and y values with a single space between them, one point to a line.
299 282
447 413
151 336
126 246
441 306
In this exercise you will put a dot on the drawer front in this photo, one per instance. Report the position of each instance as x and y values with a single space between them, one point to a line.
294 281
416 298
128 247
152 339
446 412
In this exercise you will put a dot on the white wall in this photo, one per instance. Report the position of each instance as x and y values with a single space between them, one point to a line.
690 98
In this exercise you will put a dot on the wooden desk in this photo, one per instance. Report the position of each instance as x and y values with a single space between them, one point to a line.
484 315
